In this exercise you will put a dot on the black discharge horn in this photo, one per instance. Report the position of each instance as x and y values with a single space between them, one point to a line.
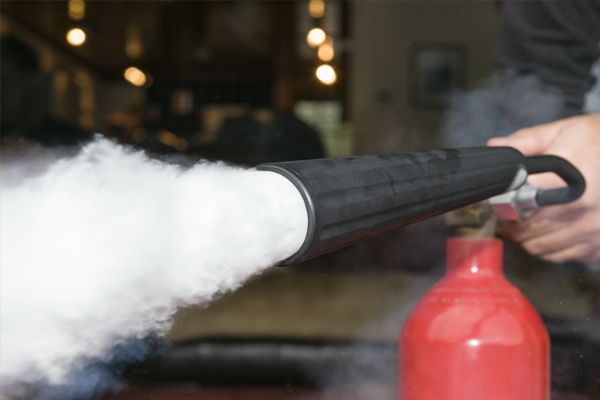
351 199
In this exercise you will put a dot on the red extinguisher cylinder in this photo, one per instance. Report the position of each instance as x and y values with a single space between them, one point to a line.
474 336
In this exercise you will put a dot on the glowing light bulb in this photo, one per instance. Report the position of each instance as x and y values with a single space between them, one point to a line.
133 42
326 51
316 8
76 9
76 37
326 74
316 37
135 76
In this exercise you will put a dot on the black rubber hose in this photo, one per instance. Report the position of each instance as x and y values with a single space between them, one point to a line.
352 199
564 169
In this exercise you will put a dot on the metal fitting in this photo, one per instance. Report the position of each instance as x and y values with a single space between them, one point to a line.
515 205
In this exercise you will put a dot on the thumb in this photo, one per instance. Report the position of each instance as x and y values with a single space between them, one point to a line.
530 141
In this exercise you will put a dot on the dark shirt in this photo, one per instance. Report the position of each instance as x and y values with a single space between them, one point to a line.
557 40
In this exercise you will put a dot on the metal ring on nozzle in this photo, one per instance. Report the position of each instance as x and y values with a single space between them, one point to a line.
310 209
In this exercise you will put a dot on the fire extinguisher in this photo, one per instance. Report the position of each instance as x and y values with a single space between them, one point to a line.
474 336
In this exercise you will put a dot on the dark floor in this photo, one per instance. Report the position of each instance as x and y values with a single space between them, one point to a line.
258 394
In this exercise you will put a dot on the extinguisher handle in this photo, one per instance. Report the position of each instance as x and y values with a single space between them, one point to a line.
572 176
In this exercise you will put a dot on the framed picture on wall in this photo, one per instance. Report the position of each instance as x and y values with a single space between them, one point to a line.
436 70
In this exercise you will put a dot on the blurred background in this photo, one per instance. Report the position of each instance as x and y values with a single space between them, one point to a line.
255 81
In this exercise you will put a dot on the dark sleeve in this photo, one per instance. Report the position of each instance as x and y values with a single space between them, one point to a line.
556 40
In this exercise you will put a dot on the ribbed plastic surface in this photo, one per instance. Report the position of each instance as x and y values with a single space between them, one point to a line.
351 199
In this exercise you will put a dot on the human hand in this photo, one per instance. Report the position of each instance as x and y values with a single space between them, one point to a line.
569 232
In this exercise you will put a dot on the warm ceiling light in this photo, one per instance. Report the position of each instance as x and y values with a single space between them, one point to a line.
133 42
76 9
316 8
135 76
76 37
326 51
315 37
326 74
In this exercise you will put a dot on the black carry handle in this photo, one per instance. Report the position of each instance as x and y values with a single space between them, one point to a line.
564 169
